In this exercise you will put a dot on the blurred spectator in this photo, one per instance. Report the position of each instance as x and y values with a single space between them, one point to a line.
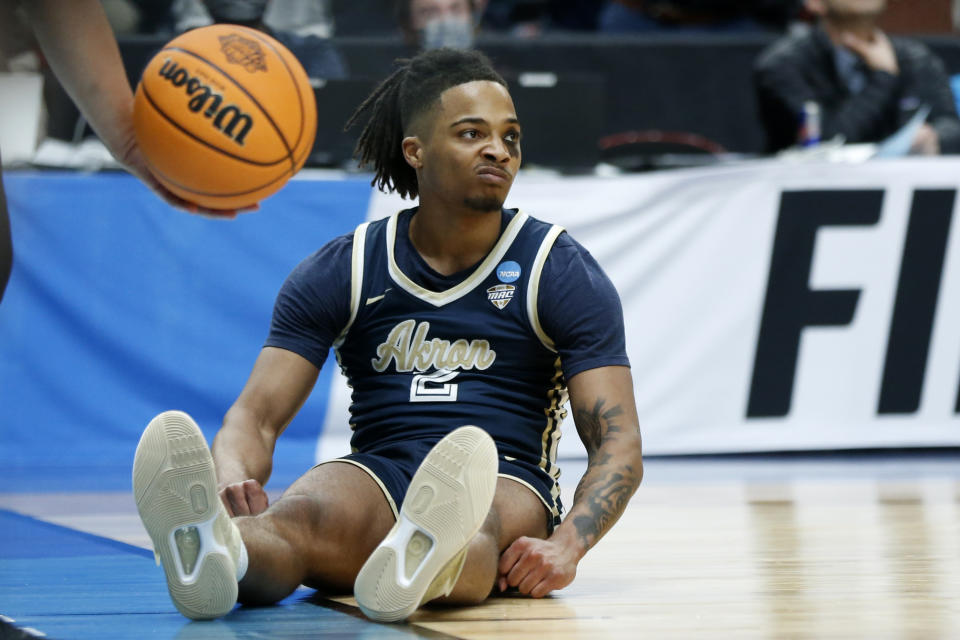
631 16
865 84
317 54
431 24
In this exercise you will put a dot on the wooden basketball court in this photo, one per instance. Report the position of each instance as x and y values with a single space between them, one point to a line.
809 546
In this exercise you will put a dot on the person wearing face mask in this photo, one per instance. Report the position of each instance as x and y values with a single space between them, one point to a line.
865 84
433 24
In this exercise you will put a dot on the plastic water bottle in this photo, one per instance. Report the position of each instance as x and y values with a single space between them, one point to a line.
810 124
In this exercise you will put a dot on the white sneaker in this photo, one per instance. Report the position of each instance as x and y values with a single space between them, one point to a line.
422 556
175 486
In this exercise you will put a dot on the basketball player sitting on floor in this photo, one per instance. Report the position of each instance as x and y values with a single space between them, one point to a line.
456 312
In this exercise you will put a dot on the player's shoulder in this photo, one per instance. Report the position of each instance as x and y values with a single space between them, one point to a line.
337 250
562 242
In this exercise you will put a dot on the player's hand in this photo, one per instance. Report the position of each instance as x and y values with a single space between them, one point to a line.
536 567
927 142
132 158
245 498
876 52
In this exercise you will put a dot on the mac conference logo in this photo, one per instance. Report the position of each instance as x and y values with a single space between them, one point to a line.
500 295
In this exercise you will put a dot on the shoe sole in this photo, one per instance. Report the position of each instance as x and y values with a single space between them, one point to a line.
448 499
175 487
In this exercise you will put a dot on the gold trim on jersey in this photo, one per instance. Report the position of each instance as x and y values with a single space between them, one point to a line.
555 413
533 288
440 298
356 280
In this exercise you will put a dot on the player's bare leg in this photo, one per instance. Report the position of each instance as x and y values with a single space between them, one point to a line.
516 512
319 533
446 504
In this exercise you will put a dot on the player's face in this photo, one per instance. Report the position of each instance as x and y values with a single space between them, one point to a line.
473 152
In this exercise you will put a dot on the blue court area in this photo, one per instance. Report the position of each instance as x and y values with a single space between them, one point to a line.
122 308
116 310
69 584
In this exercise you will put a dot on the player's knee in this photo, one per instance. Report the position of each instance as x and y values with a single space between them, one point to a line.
317 525
480 573
301 512
492 528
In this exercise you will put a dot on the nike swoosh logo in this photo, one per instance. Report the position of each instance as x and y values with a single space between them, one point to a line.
378 298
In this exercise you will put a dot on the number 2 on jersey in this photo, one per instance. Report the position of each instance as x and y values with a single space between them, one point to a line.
434 387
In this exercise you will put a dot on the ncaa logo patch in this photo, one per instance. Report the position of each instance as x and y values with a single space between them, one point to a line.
508 271
500 295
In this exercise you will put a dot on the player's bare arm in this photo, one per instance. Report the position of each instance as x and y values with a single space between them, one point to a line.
605 414
80 47
243 448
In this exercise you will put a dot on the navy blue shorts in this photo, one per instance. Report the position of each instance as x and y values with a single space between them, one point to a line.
393 466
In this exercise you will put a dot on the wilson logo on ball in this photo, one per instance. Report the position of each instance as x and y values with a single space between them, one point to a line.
225 119
243 51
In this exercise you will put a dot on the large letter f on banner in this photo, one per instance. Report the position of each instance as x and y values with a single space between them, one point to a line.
790 304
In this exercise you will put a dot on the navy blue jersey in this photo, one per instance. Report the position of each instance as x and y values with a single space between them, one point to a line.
425 353
474 353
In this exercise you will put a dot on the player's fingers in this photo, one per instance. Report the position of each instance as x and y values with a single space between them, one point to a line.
227 504
211 214
527 564
227 213
190 207
553 578
237 500
256 497
543 588
513 553
531 579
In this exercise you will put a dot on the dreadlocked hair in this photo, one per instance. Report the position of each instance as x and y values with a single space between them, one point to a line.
413 88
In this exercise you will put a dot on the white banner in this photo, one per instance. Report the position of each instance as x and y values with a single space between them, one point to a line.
770 306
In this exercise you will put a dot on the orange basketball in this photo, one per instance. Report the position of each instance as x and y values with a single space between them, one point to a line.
225 115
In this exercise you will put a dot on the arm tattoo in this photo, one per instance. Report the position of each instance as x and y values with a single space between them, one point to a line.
590 424
605 499
608 484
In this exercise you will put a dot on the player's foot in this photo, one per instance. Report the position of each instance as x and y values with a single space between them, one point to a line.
422 556
175 486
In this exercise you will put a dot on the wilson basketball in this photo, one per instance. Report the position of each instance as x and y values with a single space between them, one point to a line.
225 115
